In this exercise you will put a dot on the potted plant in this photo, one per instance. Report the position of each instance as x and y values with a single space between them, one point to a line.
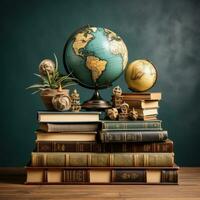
51 82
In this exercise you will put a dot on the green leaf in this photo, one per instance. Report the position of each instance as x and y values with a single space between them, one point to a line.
68 84
37 86
48 78
61 79
43 78
56 61
36 92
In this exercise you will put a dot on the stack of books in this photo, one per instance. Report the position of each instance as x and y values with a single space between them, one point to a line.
60 139
79 148
146 104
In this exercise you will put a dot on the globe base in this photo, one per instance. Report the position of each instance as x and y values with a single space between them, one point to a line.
96 103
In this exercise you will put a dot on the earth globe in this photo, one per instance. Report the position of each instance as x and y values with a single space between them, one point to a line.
140 75
95 57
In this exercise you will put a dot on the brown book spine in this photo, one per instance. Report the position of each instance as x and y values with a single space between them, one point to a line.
102 159
169 176
141 104
62 146
132 136
77 176
140 176
117 176
129 176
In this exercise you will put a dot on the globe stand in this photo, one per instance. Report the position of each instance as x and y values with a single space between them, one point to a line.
96 102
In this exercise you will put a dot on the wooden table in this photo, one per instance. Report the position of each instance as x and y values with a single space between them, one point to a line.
12 187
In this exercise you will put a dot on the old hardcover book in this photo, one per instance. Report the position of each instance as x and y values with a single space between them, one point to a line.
110 136
145 104
48 116
66 136
92 175
69 127
148 117
132 125
146 112
40 159
141 96
63 146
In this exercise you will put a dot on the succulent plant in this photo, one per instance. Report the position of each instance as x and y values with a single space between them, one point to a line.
50 77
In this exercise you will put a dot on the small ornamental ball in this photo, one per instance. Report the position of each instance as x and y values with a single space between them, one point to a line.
133 114
140 75
46 65
124 108
112 113
117 91
61 102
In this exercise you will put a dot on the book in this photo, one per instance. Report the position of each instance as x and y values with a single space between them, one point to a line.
109 136
146 112
40 159
145 104
48 116
132 125
70 127
66 136
147 118
63 146
141 96
63 175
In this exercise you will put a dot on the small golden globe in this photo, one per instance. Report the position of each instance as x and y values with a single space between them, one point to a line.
140 75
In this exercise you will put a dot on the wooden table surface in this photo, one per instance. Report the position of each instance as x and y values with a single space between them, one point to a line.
12 187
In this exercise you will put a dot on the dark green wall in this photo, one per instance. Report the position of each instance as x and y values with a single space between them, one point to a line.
166 32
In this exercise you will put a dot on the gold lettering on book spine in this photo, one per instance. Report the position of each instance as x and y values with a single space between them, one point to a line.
60 147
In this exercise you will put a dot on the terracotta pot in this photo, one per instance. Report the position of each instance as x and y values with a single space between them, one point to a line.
48 94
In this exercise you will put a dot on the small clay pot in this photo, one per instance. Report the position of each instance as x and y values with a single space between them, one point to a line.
48 94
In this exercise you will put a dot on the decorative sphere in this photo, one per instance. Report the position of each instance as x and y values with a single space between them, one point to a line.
112 113
61 102
46 65
95 56
140 75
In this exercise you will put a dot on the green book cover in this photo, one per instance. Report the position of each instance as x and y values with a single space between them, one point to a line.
132 125
102 159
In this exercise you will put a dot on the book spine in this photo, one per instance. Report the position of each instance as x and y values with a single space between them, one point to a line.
141 104
55 146
151 125
129 176
50 127
140 176
77 176
102 159
132 136
135 104
62 146
117 176
169 176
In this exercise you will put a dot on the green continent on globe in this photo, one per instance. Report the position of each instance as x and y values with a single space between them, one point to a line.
117 46
96 65
81 40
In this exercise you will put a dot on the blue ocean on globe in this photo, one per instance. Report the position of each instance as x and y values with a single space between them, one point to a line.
95 56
